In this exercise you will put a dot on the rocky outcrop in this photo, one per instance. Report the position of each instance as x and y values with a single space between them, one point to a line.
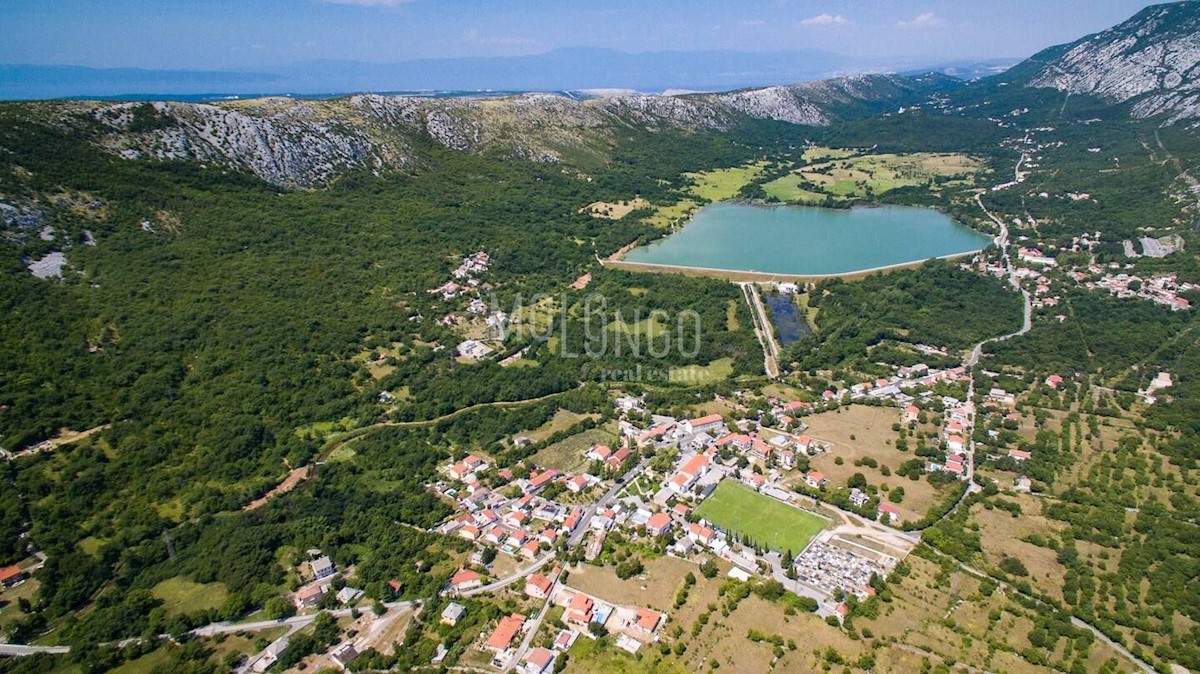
1151 61
307 143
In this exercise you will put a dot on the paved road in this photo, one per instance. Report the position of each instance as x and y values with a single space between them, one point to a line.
977 351
1141 664
214 629
509 579
577 535
21 649
762 329
530 632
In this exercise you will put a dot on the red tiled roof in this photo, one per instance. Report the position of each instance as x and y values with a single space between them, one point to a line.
708 419
505 631
9 572
464 576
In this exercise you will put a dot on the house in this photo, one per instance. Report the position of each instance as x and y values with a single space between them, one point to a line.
564 639
539 661
1019 454
308 596
469 532
348 595
598 453
658 523
465 579
760 450
453 613
696 466
647 621
11 576
572 520
911 414
858 497
344 654
473 349
680 483
321 567
495 535
891 511
654 434
701 534
787 459
1054 380
505 632
577 484
806 444
530 550
739 440
703 424
956 444
538 586
548 536
539 480
580 610
516 519
475 463
814 479
954 468
795 406
617 459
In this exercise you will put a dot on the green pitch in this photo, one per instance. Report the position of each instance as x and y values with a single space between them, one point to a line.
737 509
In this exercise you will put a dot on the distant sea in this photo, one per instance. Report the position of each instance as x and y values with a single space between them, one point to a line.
217 98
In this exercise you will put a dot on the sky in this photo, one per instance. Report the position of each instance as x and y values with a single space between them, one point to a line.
257 34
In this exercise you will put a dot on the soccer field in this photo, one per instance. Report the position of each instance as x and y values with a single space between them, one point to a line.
737 509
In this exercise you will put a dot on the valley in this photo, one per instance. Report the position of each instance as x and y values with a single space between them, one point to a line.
378 383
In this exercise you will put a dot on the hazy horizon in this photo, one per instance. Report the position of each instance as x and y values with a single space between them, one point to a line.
208 35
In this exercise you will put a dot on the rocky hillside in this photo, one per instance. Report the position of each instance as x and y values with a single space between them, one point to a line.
1150 62
306 143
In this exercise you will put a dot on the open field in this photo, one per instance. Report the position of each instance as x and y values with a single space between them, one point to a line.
10 612
589 656
668 214
181 595
614 210
1001 534
738 509
145 664
562 419
721 184
852 177
567 455
860 431
720 368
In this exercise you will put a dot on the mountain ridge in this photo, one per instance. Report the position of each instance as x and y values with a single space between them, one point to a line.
1150 61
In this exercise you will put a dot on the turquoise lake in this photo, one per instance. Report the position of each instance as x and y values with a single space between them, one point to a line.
805 240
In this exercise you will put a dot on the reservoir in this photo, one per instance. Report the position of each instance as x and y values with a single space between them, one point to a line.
806 240
790 326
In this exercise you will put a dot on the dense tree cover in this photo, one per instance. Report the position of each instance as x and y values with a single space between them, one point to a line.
218 316
1101 334
937 303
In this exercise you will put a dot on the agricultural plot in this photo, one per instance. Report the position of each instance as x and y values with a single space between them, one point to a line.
567 455
854 177
742 511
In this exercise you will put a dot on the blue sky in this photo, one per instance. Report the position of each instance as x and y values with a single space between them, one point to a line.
214 34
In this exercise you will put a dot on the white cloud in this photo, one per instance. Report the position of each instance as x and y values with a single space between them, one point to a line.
926 20
368 3
826 20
